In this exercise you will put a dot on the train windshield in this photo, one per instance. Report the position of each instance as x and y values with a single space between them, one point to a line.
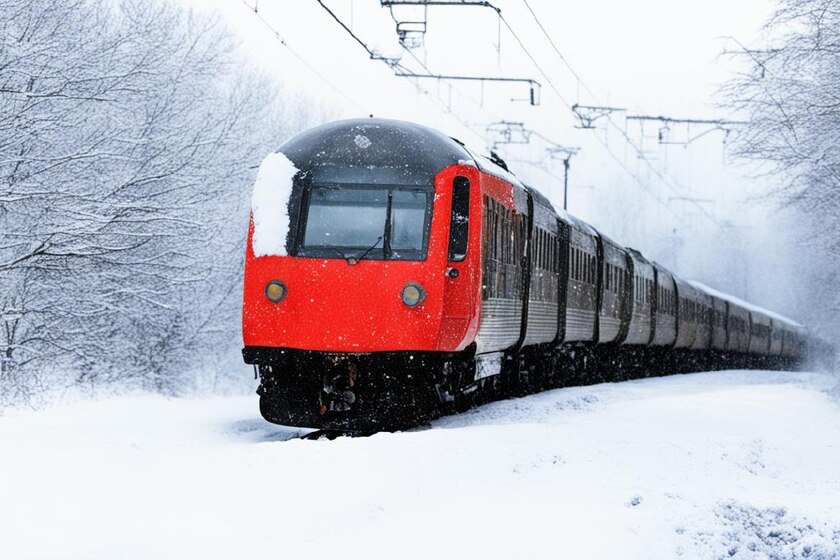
372 222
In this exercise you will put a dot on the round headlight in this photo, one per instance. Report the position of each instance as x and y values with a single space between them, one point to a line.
275 291
413 294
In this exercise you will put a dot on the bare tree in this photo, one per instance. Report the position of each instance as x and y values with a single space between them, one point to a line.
128 137
790 91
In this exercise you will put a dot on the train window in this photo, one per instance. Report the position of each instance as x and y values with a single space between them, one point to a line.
394 220
459 221
586 267
582 271
547 251
546 248
582 265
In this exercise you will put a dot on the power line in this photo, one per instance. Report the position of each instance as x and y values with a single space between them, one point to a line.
395 65
534 86
562 98
640 154
556 90
299 57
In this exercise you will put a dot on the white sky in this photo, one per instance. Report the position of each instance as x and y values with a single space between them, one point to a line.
649 56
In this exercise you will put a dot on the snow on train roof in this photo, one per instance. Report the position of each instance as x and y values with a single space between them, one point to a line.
745 304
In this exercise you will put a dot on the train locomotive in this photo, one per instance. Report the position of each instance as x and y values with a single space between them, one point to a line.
404 274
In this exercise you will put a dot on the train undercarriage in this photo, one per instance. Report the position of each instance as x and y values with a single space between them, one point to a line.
387 391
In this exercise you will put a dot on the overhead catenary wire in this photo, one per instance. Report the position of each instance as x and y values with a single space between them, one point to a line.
300 58
395 65
563 99
622 131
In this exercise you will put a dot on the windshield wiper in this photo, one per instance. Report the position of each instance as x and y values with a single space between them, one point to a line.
354 260
341 255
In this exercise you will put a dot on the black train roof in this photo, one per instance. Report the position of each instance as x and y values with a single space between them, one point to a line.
410 153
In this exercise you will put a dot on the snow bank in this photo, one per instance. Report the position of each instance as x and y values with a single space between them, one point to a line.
270 205
736 464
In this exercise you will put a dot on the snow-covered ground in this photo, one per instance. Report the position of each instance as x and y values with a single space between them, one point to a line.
714 465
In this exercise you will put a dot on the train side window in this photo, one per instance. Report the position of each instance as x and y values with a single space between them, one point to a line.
607 275
585 266
581 269
582 265
459 221
588 268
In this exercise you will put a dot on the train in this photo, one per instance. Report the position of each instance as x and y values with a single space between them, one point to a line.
391 272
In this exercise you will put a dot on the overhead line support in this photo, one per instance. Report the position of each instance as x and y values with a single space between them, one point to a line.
534 85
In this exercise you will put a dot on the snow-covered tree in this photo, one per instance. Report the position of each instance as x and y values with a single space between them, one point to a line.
128 138
790 92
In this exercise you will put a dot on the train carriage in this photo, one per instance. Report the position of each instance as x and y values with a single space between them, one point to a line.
664 308
737 328
504 218
703 340
720 335
615 296
545 265
760 333
776 335
688 313
640 330
582 282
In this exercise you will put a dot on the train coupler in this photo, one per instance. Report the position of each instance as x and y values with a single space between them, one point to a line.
339 390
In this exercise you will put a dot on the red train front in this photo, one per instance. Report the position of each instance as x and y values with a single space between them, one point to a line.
359 277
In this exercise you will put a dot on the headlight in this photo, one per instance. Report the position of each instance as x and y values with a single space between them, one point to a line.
275 291
413 294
